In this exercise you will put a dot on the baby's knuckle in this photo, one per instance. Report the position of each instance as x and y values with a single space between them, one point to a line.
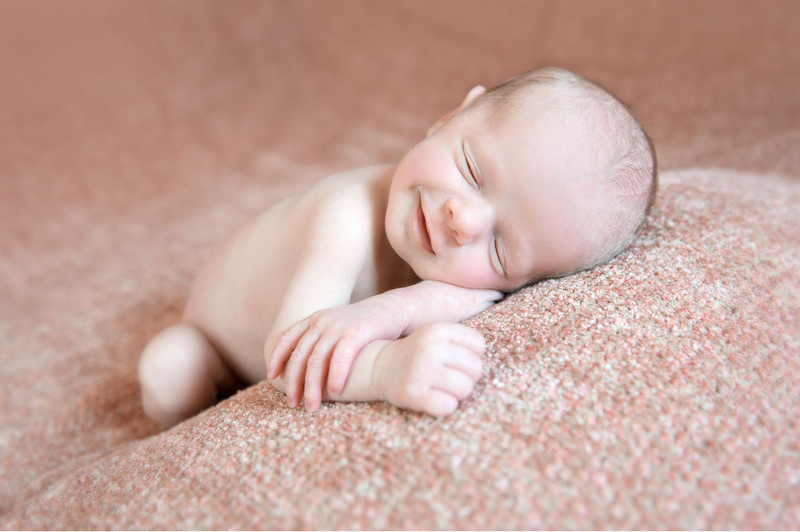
466 391
342 356
480 342
411 392
283 340
441 328
476 335
436 331
295 364
294 360
353 331
313 330
422 359
347 346
476 367
314 363
319 319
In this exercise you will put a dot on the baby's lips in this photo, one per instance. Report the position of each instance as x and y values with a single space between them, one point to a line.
421 231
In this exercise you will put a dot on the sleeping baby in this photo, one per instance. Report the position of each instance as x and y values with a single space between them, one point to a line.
354 289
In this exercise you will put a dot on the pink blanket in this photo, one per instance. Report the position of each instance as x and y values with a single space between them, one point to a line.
657 391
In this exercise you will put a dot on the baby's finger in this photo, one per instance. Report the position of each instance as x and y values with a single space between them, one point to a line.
439 403
468 338
340 365
494 295
293 382
295 370
455 382
467 363
317 373
284 347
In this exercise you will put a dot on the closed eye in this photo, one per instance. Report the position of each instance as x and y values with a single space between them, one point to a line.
497 258
472 175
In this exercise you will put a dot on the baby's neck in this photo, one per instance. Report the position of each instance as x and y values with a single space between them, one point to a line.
390 270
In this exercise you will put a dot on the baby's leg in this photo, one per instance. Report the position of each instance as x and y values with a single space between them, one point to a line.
180 374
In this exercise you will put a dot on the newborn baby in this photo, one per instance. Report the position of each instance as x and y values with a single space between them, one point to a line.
354 289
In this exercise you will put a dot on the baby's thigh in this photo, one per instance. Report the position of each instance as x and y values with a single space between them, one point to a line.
234 307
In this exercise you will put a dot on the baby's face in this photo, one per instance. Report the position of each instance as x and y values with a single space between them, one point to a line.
496 197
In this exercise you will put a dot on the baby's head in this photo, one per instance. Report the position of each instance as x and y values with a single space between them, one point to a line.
545 175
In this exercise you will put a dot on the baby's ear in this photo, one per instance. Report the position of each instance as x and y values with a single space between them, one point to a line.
474 93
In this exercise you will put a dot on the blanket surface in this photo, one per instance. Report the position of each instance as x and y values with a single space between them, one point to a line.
657 391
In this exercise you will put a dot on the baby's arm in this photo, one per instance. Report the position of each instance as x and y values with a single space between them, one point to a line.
429 371
323 346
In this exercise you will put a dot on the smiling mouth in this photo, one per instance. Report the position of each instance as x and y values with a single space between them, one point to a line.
421 232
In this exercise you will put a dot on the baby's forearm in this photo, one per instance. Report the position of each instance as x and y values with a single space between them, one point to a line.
435 302
361 383
430 371
332 353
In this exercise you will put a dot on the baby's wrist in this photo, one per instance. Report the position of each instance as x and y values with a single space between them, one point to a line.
367 376
377 381
399 308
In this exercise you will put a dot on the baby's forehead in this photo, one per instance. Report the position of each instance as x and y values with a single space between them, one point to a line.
546 113
564 120
551 158
552 93
550 99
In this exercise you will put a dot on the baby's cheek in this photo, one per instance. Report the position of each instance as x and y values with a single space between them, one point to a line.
473 273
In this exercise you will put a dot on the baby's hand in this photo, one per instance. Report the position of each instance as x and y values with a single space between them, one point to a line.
432 369
323 346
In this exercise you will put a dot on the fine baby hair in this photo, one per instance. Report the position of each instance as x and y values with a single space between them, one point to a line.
627 173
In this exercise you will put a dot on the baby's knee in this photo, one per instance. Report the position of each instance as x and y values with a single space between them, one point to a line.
177 349
174 374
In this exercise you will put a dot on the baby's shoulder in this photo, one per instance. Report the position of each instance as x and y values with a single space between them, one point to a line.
345 195
357 181
345 204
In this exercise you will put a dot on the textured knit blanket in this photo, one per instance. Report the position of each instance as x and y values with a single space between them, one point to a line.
660 390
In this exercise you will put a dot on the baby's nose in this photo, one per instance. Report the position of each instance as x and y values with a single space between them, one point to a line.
469 220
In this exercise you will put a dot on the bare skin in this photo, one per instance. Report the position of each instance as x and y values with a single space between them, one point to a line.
305 255
322 293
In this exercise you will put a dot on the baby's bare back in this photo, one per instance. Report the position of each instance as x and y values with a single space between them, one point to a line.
319 240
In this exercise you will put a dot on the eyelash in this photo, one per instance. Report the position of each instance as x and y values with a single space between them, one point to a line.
498 256
473 181
470 176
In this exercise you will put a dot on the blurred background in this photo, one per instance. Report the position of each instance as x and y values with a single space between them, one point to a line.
157 96
136 134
